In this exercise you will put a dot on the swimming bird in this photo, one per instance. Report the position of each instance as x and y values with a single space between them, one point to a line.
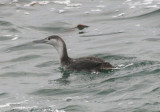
89 64
81 27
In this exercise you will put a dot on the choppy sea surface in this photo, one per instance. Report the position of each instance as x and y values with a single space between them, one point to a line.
125 33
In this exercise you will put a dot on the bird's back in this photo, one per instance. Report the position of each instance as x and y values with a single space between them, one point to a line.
89 64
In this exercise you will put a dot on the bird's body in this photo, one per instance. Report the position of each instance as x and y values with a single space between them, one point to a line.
79 64
86 64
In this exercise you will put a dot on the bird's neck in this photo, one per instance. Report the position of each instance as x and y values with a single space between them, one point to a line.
62 51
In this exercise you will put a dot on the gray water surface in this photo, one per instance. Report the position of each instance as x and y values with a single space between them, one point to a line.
125 33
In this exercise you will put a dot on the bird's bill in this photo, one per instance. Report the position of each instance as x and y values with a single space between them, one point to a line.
39 41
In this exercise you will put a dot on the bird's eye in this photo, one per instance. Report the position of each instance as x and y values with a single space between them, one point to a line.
49 38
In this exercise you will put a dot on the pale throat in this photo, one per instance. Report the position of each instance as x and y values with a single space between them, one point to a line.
60 49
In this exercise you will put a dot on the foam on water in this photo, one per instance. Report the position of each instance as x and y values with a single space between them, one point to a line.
123 66
10 104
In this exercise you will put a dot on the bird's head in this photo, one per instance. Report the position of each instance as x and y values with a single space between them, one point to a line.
54 40
57 42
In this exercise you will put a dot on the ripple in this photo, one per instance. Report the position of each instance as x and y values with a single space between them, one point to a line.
143 64
3 94
35 2
34 109
115 57
22 74
96 35
45 64
15 110
137 69
152 39
12 104
49 29
144 15
5 23
52 92
156 71
13 30
25 58
73 108
4 38
25 46
106 92
46 109
156 90
152 13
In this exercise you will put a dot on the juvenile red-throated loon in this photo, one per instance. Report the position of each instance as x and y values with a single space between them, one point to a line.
80 64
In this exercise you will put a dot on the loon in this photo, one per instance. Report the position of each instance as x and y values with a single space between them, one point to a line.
90 64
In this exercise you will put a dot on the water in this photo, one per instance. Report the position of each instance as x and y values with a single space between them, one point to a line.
123 32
